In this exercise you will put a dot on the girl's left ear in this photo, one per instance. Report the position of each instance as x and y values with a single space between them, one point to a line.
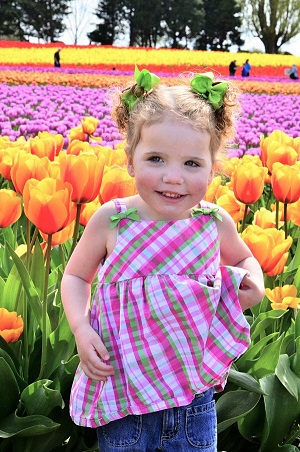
211 176
130 169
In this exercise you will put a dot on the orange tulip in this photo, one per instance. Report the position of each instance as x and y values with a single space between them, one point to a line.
285 182
28 166
88 210
116 183
61 236
269 247
43 147
229 202
248 181
11 325
89 125
84 172
48 204
11 209
75 147
293 211
283 297
265 219
57 137
278 147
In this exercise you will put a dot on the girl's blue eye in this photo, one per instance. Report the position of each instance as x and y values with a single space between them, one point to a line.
191 163
155 158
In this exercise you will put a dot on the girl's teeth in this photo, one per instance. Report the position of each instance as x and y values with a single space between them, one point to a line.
171 195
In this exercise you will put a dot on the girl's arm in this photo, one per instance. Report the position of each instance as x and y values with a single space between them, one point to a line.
76 292
236 253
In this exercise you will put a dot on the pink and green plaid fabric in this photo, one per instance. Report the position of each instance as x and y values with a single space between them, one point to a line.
169 316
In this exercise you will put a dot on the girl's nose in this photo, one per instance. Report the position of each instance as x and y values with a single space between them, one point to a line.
173 177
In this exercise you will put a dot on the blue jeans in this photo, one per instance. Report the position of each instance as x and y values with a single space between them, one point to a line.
189 428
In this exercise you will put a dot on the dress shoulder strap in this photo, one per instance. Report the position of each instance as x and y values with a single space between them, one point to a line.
120 205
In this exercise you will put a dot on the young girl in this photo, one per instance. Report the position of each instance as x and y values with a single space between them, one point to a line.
174 277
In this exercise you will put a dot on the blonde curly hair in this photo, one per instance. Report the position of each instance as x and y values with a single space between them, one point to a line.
182 104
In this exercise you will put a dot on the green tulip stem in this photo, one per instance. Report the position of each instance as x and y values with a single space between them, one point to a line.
285 220
244 218
76 229
34 237
277 214
62 256
44 307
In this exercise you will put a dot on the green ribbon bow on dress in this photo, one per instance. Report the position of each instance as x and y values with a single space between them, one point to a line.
130 213
214 93
206 211
146 80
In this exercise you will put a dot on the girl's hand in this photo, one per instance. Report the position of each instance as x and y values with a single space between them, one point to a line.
250 290
92 354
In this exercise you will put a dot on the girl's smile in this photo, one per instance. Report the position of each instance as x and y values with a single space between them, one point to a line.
172 167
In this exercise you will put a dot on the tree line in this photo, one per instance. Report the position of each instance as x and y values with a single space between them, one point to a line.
198 24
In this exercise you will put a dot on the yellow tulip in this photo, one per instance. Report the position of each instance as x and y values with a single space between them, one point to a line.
43 147
212 188
264 218
293 211
269 247
11 209
76 147
57 137
11 325
229 202
61 236
77 133
283 297
88 210
89 125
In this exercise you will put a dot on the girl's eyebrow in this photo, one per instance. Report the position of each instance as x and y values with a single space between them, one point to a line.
186 157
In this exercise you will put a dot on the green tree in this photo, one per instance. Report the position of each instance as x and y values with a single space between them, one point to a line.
183 20
221 25
275 22
44 19
10 24
144 21
110 13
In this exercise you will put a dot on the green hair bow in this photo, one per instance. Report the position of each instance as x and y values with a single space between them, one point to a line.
146 80
214 93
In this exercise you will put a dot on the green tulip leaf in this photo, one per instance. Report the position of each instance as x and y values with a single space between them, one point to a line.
233 405
264 320
38 398
20 382
244 381
27 426
281 411
11 291
286 376
254 351
31 291
37 270
9 390
267 362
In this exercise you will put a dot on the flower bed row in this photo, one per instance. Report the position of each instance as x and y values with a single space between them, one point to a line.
156 60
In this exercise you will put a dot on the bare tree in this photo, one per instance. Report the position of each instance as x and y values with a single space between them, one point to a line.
275 22
79 19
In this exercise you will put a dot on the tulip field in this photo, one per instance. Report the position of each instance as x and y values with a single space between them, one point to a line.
62 156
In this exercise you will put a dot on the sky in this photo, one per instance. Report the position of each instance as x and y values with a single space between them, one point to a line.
88 21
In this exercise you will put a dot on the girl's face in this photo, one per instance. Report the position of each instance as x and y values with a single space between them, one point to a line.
172 167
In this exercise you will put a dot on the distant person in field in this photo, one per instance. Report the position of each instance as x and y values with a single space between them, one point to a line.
292 72
57 58
246 69
232 68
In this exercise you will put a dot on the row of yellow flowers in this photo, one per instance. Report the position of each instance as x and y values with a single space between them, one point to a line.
16 77
112 56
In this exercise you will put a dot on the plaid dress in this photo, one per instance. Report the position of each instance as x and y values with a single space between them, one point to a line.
168 314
